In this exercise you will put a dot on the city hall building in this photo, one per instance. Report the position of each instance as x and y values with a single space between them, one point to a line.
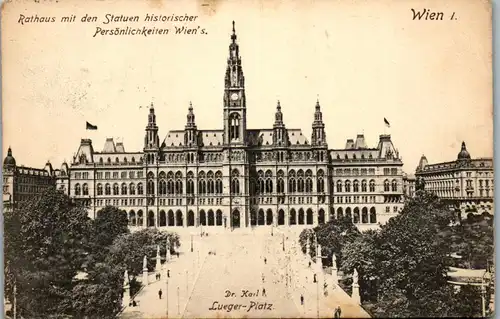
238 176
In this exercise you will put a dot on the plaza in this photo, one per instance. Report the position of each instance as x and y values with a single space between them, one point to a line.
258 273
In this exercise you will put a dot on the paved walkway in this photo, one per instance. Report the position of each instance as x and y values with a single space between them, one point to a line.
229 282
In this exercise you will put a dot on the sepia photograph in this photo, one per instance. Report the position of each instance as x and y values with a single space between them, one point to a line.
247 159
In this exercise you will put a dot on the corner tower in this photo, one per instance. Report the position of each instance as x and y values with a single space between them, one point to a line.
151 140
234 97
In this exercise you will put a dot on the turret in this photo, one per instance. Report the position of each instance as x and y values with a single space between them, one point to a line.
280 137
151 140
318 128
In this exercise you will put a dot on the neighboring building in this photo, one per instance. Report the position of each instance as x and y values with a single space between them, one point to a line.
466 183
409 185
22 183
236 176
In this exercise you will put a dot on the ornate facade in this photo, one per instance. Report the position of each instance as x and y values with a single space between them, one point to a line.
22 183
466 183
237 176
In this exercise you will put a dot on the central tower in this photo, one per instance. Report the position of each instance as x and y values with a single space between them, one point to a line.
235 117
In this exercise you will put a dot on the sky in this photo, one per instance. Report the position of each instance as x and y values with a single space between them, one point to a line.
364 60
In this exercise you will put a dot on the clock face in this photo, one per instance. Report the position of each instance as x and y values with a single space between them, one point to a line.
234 96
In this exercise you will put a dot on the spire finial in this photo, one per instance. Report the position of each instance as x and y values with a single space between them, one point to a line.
233 36
463 145
190 106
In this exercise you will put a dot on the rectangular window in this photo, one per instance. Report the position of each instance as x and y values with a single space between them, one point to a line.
115 175
387 209
107 175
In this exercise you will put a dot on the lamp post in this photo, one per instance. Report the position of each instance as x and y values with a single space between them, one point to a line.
167 294
191 243
283 242
483 293
178 308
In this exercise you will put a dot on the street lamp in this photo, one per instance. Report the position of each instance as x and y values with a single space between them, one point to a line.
191 243
178 308
167 295
283 242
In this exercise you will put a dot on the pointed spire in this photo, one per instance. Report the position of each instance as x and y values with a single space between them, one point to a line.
278 107
190 117
233 36
9 152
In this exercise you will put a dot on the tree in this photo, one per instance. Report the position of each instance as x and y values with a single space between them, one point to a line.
46 242
100 294
332 236
128 250
474 241
362 254
109 224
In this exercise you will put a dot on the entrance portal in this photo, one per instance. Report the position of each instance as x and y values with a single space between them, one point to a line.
235 219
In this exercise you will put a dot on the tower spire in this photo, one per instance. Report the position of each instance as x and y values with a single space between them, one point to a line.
318 127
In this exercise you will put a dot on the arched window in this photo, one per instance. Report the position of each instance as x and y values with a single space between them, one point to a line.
356 215
151 187
373 215
99 189
140 219
85 188
190 185
281 182
202 184
131 218
364 215
394 185
321 216
218 218
372 186
131 188
355 186
190 218
107 189
348 186
293 217
281 217
348 212
340 213
309 217
178 218
178 183
218 182
292 184
309 183
211 218
320 182
116 189
300 181
124 189
301 216
386 186
171 221
269 182
234 126
163 218
363 185
235 183
269 217
253 218
140 189
203 218
78 189
261 220
339 186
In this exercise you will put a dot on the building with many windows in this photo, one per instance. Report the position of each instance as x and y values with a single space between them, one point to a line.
21 183
466 183
238 176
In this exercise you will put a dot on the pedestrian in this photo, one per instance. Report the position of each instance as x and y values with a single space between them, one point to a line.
160 293
168 273
314 278
301 299
309 264
177 254
159 276
338 312
263 292
265 260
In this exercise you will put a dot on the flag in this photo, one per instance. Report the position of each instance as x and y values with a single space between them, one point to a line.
387 122
91 127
